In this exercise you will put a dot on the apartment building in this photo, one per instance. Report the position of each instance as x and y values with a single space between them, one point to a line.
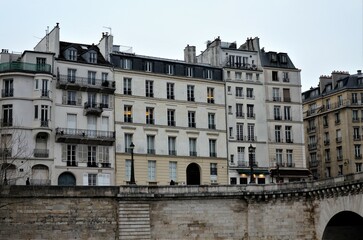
333 113
83 125
264 116
27 118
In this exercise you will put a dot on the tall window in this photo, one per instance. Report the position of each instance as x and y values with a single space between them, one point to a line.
239 110
288 134
358 167
170 69
355 117
171 117
192 146
71 155
127 170
286 94
277 112
104 77
71 77
44 115
7 115
150 139
105 100
92 156
92 99
173 171
338 135
170 91
239 129
126 63
93 57
211 121
210 95
212 148
354 98
278 133
72 54
92 179
190 93
127 86
251 132
213 169
149 88
151 170
171 145
287 111
327 155
289 161
8 89
340 100
91 78
250 93
340 153
357 151
275 76
189 72
208 74
128 113
276 94
241 156
279 157
148 66
239 92
356 133
286 77
149 115
191 119
250 111
41 64
128 141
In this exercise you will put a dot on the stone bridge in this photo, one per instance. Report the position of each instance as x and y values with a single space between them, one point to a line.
329 209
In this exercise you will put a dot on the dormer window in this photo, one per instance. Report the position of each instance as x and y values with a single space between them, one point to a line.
170 69
148 66
72 54
93 57
189 72
126 63
208 74
273 57
283 59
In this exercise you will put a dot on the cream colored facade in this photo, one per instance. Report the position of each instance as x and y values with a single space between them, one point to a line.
333 131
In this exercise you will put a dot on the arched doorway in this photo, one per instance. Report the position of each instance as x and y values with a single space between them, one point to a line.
193 174
66 179
40 175
344 225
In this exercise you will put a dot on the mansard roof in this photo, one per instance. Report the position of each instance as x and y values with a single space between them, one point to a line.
276 60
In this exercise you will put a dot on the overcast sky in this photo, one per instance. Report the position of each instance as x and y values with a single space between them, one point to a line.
319 35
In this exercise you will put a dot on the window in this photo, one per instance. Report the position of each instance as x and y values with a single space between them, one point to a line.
71 98
213 169
275 76
251 132
239 110
285 77
233 181
92 156
189 72
241 156
250 111
149 88
151 170
231 132
257 77
171 145
127 86
340 153
71 76
279 157
35 111
249 76
72 54
289 161
212 148
354 98
44 116
149 115
105 101
230 111
128 141
250 93
92 179
91 99
190 93
191 119
126 63
41 64
358 167
211 121
173 171
340 170
192 146
71 155
127 170
104 156
239 92
283 58
278 133
327 155
229 89
93 57
170 91
327 104
276 94
287 112
209 74
245 61
340 100
355 117
210 95
337 118
356 133
277 113
128 113
104 77
238 75
286 95
171 117
170 69
8 89
325 121
357 151
150 140
239 129
91 78
148 66
7 115
288 134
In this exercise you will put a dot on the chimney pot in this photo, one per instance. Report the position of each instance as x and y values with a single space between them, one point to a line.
359 71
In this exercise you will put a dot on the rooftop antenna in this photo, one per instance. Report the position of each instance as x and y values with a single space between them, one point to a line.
109 28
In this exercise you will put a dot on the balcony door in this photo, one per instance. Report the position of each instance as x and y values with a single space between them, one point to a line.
72 123
92 126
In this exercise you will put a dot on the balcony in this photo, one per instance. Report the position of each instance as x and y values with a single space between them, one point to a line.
171 123
211 126
150 121
339 157
313 163
193 153
287 99
6 122
326 142
25 67
92 164
239 65
45 94
68 82
276 99
242 163
72 163
84 136
213 154
192 125
41 153
358 156
105 165
311 129
128 119
338 139
251 115
240 115
9 92
356 137
151 151
312 146
44 123
91 108
172 152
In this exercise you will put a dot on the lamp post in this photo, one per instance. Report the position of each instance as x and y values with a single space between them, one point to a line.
251 149
132 175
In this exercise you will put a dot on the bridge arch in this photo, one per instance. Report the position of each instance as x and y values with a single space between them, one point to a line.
329 212
344 225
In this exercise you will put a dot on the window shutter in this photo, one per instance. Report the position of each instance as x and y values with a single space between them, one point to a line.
64 97
110 99
79 98
85 179
64 152
100 154
82 153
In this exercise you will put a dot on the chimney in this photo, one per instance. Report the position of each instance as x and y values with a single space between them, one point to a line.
337 75
189 54
359 72
323 81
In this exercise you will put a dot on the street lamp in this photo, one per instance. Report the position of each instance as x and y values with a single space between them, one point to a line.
132 175
251 150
